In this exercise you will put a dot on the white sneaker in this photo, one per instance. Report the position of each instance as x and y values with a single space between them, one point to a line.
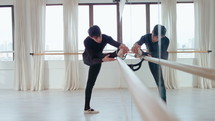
90 111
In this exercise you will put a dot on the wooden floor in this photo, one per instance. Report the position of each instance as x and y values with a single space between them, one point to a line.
114 105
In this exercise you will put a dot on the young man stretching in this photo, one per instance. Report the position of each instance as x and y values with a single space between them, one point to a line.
93 56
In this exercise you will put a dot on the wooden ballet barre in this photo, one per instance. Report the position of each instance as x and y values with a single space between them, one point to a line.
129 52
190 51
55 53
196 70
150 107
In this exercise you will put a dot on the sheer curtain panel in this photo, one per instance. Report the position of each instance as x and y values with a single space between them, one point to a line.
204 36
22 48
70 16
37 29
29 37
168 8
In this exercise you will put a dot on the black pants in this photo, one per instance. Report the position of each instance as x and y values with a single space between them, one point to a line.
92 76
158 76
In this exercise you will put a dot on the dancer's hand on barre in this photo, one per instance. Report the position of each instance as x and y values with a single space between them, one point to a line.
135 48
149 55
124 48
107 58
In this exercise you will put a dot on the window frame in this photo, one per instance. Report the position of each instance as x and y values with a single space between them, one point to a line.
91 19
119 22
54 51
13 31
148 18
187 49
62 38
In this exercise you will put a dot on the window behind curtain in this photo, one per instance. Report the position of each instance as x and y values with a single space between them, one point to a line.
155 15
83 25
6 34
185 23
54 31
133 24
105 16
185 28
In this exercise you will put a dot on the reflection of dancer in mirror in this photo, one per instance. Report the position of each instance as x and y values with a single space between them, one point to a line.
93 57
152 45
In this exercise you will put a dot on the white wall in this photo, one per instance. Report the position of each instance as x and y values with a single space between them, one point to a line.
6 75
185 79
109 77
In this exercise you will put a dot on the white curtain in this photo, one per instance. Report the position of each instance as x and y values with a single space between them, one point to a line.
29 37
37 30
22 49
121 7
70 12
168 8
204 36
212 36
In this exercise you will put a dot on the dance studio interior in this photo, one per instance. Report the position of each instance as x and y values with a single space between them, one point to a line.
44 76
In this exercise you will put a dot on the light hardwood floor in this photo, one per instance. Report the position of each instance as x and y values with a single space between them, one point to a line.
114 105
